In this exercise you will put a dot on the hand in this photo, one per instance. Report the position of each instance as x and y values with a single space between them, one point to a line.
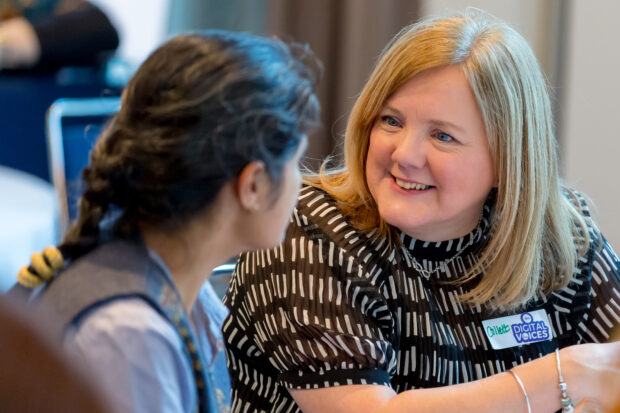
19 45
616 409
592 372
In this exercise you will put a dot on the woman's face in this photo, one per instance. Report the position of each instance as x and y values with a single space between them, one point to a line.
276 214
429 167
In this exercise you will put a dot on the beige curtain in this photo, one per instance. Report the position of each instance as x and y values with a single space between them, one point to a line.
347 36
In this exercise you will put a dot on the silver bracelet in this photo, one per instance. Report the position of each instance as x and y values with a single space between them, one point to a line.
527 399
567 402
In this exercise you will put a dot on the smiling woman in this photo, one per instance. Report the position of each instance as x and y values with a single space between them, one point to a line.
446 251
429 167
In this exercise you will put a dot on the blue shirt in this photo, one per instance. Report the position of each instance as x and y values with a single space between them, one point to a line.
138 356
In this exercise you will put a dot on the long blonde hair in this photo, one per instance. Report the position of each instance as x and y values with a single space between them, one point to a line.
532 248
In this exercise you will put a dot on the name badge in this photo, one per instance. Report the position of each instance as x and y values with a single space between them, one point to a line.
517 330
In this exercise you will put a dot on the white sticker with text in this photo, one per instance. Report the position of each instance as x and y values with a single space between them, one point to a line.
518 329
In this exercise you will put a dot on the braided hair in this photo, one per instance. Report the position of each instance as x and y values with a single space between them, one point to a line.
196 112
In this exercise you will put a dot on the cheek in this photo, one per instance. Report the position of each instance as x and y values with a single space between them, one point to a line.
469 180
377 158
379 148
484 171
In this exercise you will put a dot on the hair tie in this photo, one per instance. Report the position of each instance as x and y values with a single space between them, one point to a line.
28 279
54 257
42 268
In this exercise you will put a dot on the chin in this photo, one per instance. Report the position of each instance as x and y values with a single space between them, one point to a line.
408 227
395 218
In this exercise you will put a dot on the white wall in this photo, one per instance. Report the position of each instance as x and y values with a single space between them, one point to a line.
592 133
142 25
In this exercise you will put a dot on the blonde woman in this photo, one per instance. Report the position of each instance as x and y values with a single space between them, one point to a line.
446 251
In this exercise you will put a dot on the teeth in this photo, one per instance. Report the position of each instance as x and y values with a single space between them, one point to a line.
411 185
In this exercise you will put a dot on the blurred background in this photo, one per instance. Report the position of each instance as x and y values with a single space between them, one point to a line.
90 49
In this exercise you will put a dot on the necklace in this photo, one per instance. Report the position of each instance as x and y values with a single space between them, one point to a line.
426 273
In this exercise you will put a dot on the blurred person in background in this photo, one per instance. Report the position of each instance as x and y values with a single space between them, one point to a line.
444 266
35 376
200 163
48 34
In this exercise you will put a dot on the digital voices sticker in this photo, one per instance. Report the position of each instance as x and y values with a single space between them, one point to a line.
518 329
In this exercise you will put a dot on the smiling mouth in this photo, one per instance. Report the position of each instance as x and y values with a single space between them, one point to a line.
411 185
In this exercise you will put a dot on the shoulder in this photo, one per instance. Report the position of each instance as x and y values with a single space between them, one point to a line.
318 217
111 270
316 203
130 320
110 265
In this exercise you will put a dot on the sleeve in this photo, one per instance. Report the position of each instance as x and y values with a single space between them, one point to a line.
315 309
136 357
602 319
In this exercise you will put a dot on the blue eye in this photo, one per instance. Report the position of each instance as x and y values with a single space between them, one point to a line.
390 121
444 137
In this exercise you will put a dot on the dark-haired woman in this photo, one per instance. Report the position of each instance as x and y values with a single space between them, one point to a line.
200 163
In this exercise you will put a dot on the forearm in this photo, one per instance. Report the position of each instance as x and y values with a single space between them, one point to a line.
500 392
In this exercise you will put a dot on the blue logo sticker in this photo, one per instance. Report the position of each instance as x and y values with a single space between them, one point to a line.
529 330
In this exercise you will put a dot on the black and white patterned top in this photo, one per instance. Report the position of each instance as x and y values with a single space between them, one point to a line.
332 306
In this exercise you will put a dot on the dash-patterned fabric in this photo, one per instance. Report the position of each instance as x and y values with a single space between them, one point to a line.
332 306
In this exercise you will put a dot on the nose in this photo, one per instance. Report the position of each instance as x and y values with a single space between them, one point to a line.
410 150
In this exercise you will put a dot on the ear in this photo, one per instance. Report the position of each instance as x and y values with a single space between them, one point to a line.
252 185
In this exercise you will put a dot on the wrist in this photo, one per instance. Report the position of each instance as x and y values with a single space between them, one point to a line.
575 373
565 400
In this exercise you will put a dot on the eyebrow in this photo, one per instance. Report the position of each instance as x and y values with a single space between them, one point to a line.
438 122
448 124
393 110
